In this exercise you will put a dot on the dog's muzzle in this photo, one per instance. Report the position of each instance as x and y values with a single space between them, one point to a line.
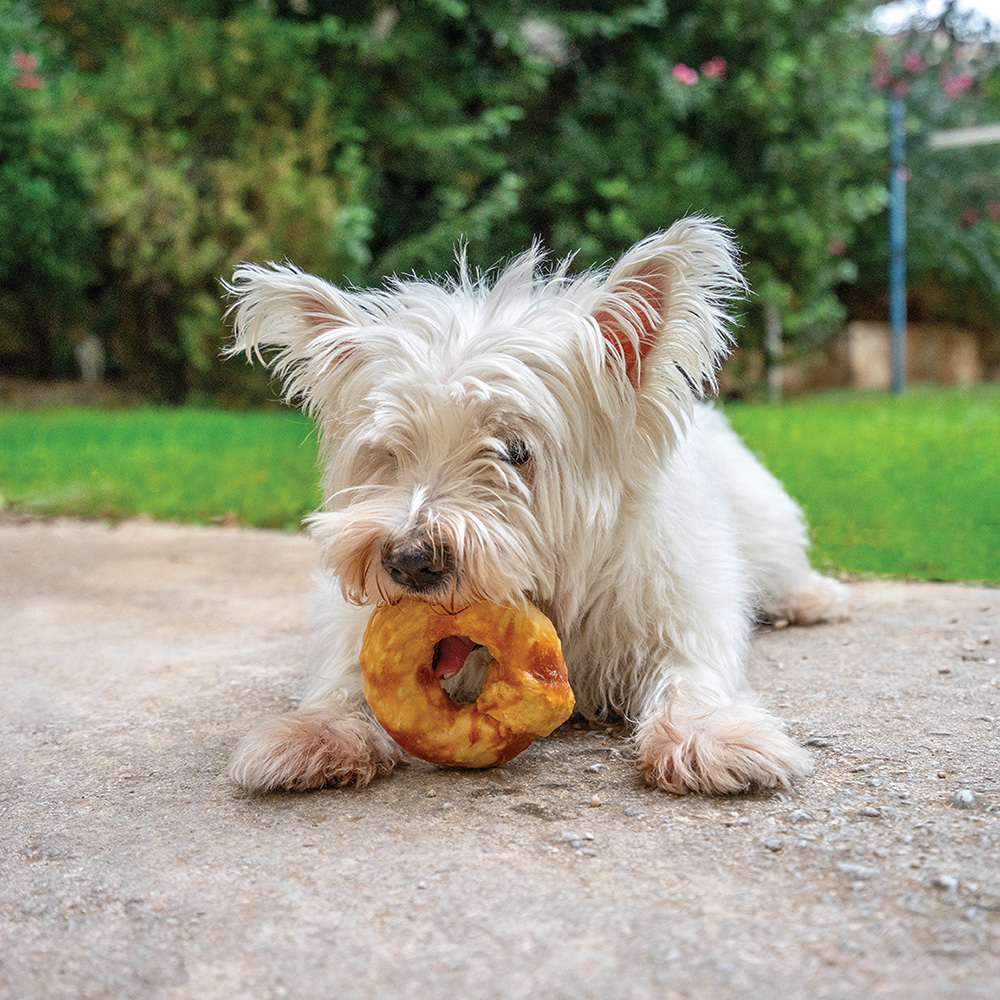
418 565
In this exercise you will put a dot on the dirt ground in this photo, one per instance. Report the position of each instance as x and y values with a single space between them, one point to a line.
133 657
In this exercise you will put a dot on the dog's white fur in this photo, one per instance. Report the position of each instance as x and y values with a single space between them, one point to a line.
546 431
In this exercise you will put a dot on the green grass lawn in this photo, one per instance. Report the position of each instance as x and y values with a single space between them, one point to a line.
907 486
181 464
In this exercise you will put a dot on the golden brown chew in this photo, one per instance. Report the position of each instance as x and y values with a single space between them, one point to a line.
526 693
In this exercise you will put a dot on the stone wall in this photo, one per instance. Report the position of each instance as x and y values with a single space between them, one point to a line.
860 357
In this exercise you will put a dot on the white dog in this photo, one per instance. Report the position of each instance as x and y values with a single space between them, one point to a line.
538 436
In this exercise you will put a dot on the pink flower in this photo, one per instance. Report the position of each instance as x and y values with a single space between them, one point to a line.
684 74
954 84
23 61
913 62
30 81
900 88
969 217
715 68
957 85
837 247
993 210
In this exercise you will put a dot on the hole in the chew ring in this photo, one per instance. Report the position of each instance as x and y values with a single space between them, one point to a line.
460 665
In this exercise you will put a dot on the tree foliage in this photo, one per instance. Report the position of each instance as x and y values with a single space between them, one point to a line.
206 143
47 245
359 139
949 79
731 109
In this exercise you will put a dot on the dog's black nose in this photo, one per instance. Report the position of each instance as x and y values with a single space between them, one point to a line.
417 565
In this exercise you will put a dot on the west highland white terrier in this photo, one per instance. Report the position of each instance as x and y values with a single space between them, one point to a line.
539 435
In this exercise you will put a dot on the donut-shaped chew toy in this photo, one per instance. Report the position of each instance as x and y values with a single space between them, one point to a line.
410 646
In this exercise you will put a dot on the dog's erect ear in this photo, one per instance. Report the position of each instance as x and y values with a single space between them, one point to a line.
306 320
665 305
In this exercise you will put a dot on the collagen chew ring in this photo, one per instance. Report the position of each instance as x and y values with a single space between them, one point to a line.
410 646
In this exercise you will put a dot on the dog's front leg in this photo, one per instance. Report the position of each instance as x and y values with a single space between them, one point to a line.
699 730
316 746
331 739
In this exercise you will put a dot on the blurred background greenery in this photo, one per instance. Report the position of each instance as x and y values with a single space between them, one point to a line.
146 149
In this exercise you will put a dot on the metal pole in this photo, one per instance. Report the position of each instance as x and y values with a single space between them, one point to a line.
897 242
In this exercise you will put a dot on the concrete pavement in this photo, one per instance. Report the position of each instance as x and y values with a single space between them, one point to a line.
133 657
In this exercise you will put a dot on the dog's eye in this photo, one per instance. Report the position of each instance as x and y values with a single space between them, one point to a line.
516 452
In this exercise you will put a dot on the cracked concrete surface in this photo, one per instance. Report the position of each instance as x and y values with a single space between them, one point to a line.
133 657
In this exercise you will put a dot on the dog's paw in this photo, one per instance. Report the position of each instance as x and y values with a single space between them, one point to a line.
729 749
819 599
311 749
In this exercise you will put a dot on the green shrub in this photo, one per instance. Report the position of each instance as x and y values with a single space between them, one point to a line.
47 247
208 143
752 112
948 78
359 139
